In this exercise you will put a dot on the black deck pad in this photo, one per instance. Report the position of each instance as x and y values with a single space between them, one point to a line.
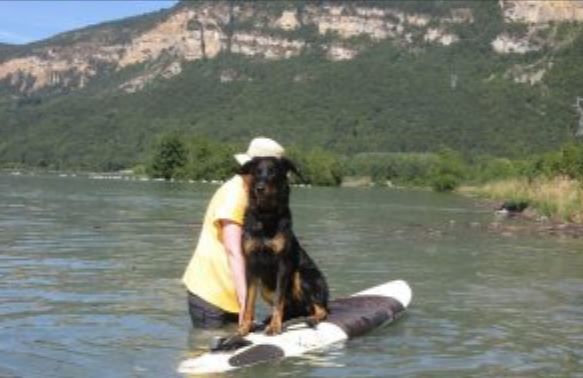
256 354
228 343
361 313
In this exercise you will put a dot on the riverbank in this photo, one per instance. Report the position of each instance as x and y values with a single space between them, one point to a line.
555 205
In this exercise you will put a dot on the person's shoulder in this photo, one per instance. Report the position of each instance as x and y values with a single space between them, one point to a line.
235 183
230 200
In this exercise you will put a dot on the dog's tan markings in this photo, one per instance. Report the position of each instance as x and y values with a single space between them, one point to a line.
267 295
274 327
297 292
270 189
247 181
277 243
249 312
250 245
320 312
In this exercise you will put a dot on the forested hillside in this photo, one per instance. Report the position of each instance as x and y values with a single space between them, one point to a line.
437 80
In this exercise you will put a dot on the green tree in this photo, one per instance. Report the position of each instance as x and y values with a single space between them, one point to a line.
488 168
169 157
317 166
450 170
571 161
209 159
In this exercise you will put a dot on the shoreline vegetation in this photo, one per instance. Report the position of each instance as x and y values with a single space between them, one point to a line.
550 183
555 199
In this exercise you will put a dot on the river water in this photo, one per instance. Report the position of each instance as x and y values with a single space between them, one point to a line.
90 282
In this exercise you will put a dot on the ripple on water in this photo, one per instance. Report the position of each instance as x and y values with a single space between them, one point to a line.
90 283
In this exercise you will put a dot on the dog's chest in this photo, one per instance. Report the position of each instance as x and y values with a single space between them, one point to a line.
262 243
262 260
263 247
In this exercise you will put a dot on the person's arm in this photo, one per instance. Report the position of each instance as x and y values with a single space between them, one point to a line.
232 234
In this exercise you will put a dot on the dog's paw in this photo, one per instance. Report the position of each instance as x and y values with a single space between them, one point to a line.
273 329
257 327
244 329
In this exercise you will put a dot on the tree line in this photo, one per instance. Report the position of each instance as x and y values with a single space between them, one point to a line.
179 156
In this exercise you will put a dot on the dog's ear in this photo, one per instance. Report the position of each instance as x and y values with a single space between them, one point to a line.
291 167
246 168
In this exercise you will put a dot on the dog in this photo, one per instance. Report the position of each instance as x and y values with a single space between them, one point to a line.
276 264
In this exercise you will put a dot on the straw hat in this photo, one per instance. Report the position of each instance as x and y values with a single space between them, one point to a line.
261 147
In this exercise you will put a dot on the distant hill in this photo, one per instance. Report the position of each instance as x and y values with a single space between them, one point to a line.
7 49
485 77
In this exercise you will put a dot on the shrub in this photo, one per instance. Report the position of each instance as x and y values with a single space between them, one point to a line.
449 171
318 167
209 159
571 161
400 168
491 168
169 157
445 183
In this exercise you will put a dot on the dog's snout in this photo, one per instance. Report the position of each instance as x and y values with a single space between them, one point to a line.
260 187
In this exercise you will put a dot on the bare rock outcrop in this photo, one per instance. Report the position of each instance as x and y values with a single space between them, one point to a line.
203 30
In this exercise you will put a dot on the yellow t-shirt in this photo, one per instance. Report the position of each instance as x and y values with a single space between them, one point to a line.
208 273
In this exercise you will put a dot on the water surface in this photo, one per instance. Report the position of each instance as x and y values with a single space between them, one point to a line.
90 282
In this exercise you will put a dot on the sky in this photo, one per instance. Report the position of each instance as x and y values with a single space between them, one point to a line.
24 21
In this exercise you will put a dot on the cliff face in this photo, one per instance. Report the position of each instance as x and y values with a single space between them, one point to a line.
537 16
537 11
202 30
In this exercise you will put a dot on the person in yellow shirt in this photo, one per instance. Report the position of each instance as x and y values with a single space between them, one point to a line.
215 276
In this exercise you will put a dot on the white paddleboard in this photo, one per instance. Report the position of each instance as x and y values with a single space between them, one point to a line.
349 317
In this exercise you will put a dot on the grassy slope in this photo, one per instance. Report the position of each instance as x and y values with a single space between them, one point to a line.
558 198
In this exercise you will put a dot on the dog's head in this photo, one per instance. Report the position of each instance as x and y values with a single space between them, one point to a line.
267 180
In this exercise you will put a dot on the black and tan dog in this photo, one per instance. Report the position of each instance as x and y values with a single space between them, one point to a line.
275 262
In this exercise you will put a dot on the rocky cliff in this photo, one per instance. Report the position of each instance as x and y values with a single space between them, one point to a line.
538 12
203 30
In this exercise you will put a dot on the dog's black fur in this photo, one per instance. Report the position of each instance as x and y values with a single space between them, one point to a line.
275 262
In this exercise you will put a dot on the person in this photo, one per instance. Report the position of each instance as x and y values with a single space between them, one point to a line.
215 276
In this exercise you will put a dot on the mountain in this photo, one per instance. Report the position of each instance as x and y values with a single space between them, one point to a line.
482 77
7 49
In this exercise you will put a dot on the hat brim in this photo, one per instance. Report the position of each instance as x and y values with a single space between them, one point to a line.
242 158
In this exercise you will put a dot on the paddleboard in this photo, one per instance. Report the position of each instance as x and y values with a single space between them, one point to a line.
349 317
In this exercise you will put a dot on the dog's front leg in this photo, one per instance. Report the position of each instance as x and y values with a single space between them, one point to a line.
249 310
283 278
